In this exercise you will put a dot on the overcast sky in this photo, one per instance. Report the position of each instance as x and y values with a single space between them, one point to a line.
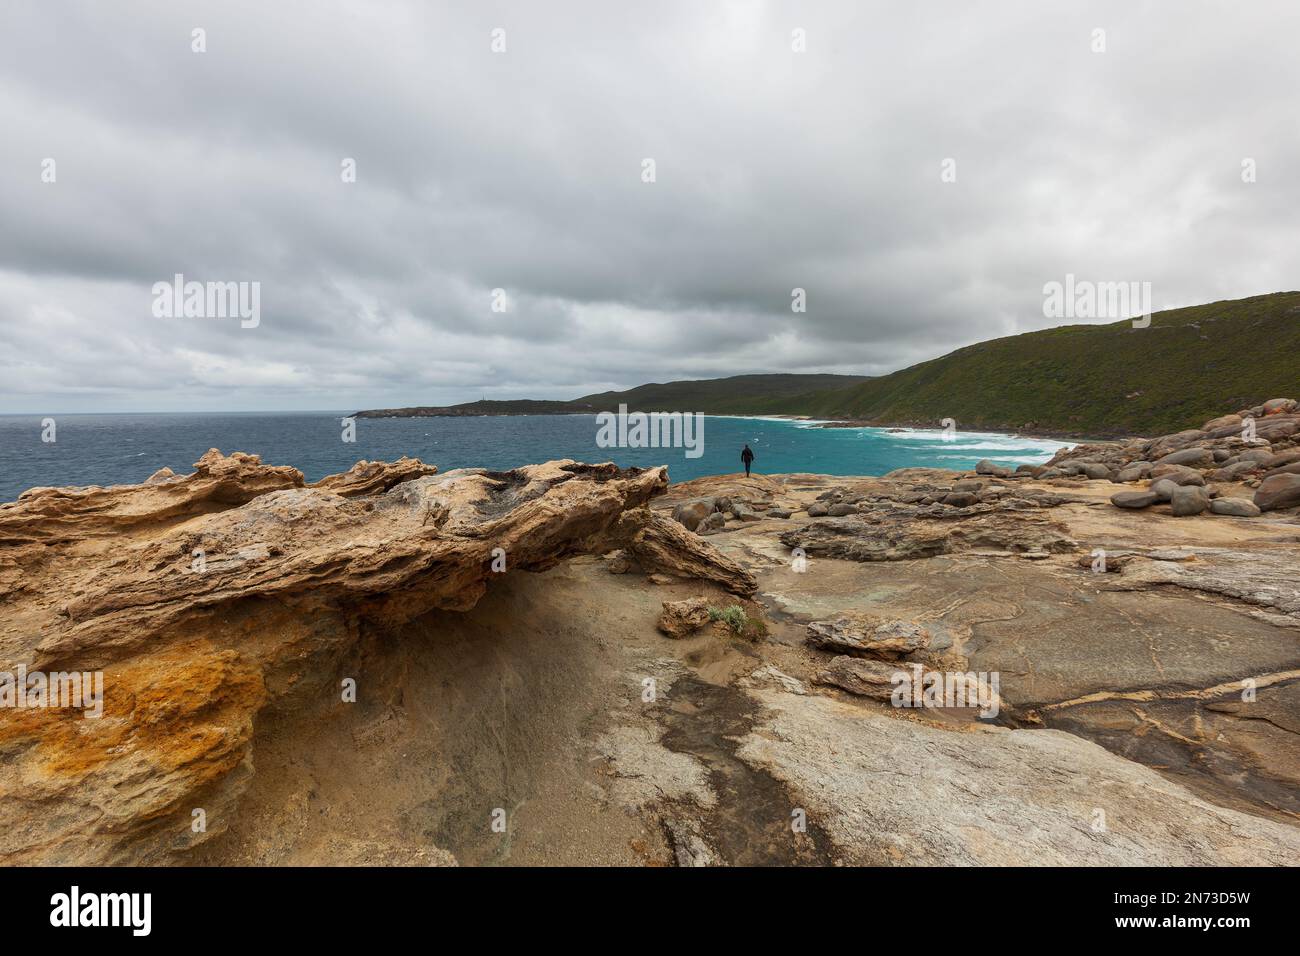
523 170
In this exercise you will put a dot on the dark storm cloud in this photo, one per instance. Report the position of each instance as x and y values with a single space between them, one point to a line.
522 171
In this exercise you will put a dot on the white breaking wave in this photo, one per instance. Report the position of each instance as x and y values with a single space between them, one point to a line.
995 446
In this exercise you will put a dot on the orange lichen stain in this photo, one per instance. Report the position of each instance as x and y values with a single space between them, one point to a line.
187 705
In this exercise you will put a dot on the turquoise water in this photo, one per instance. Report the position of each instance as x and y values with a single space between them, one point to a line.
119 449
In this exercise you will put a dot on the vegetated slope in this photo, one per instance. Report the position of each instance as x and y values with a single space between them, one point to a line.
736 395
1188 366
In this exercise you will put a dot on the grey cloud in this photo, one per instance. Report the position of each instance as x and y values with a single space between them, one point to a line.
522 171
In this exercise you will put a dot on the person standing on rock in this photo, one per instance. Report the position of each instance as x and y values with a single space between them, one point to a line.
747 457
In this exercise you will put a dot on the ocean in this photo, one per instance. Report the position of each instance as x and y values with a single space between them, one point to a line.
119 449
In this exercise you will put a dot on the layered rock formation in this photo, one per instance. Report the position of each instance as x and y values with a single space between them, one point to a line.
207 597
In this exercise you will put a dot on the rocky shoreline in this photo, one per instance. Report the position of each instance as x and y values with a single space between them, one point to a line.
626 671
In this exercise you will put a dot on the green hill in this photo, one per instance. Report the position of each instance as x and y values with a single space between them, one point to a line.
737 395
713 396
1189 366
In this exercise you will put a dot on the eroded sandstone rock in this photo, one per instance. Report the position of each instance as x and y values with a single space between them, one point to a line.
681 618
865 678
663 546
860 635
374 477
58 515
224 591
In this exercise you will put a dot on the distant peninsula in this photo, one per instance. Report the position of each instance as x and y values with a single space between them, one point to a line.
522 406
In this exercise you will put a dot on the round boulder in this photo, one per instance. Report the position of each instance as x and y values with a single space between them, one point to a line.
1189 500
1279 491
1191 457
1134 499
689 514
1163 488
1237 507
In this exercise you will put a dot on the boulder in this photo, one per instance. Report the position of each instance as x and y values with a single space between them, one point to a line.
987 467
712 524
1095 470
1238 507
1223 421
817 509
1191 457
1163 446
841 509
1278 427
1134 499
662 546
1234 471
1178 474
1270 461
1163 488
873 679
852 634
1264 455
1135 471
1280 491
689 514
742 511
681 618
1189 500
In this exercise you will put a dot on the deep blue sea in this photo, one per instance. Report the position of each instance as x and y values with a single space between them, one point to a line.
120 449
